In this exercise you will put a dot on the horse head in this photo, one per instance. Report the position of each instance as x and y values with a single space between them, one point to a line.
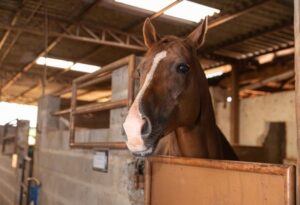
172 85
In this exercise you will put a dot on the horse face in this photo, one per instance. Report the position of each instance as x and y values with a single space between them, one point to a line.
166 100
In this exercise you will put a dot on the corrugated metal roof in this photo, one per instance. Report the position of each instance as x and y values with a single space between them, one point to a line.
266 28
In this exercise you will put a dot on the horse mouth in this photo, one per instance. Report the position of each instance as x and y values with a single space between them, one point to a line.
144 153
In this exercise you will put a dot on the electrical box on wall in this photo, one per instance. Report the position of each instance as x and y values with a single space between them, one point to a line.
100 160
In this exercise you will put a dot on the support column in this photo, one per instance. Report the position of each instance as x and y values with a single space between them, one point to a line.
234 108
297 87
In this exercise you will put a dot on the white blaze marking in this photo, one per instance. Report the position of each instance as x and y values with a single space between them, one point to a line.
158 57
134 121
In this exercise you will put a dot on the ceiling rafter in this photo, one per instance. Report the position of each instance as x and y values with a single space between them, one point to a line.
127 28
248 36
26 68
17 36
214 23
12 23
84 33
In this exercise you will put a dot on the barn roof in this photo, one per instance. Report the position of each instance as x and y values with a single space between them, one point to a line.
100 31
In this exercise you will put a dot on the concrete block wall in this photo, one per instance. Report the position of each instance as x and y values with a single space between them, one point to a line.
68 178
10 178
67 175
9 181
255 112
119 92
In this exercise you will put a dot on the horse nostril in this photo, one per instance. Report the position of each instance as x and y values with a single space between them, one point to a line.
147 127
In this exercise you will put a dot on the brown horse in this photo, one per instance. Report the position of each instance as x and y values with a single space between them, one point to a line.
172 114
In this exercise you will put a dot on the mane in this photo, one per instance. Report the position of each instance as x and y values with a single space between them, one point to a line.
167 42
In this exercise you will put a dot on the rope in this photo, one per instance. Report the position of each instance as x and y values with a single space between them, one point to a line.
44 76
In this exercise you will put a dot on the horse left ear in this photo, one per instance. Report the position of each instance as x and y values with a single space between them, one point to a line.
149 33
197 37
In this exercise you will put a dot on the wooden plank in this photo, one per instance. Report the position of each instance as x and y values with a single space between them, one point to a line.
297 86
175 180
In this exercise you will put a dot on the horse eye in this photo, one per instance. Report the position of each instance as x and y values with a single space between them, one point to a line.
183 68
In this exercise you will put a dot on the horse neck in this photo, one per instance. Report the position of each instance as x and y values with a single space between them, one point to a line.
201 139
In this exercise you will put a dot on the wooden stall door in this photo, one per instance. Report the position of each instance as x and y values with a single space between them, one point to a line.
180 181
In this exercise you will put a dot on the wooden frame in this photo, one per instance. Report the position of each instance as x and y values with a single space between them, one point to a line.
285 172
93 78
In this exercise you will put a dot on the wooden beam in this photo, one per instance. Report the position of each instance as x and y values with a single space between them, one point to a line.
297 87
234 111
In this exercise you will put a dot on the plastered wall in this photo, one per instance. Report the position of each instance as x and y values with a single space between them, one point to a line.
255 112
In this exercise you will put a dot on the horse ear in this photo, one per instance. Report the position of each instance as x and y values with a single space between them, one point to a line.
149 32
197 37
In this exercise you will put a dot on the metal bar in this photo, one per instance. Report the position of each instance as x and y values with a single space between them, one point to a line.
74 110
234 108
113 35
131 82
102 76
280 77
16 37
72 117
94 107
117 42
156 15
108 68
297 88
161 12
103 145
153 16
12 23
91 33
99 79
52 45
225 19
62 91
100 107
251 35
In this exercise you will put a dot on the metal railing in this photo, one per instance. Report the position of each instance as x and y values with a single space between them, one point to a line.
90 79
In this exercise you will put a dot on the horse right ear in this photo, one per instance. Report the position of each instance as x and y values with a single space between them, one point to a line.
197 37
149 32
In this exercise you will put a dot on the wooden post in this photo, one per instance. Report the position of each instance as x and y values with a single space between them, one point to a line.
297 87
234 109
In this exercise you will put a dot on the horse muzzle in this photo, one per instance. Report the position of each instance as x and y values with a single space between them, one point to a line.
138 132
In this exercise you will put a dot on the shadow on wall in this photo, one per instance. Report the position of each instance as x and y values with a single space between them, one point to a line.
273 149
